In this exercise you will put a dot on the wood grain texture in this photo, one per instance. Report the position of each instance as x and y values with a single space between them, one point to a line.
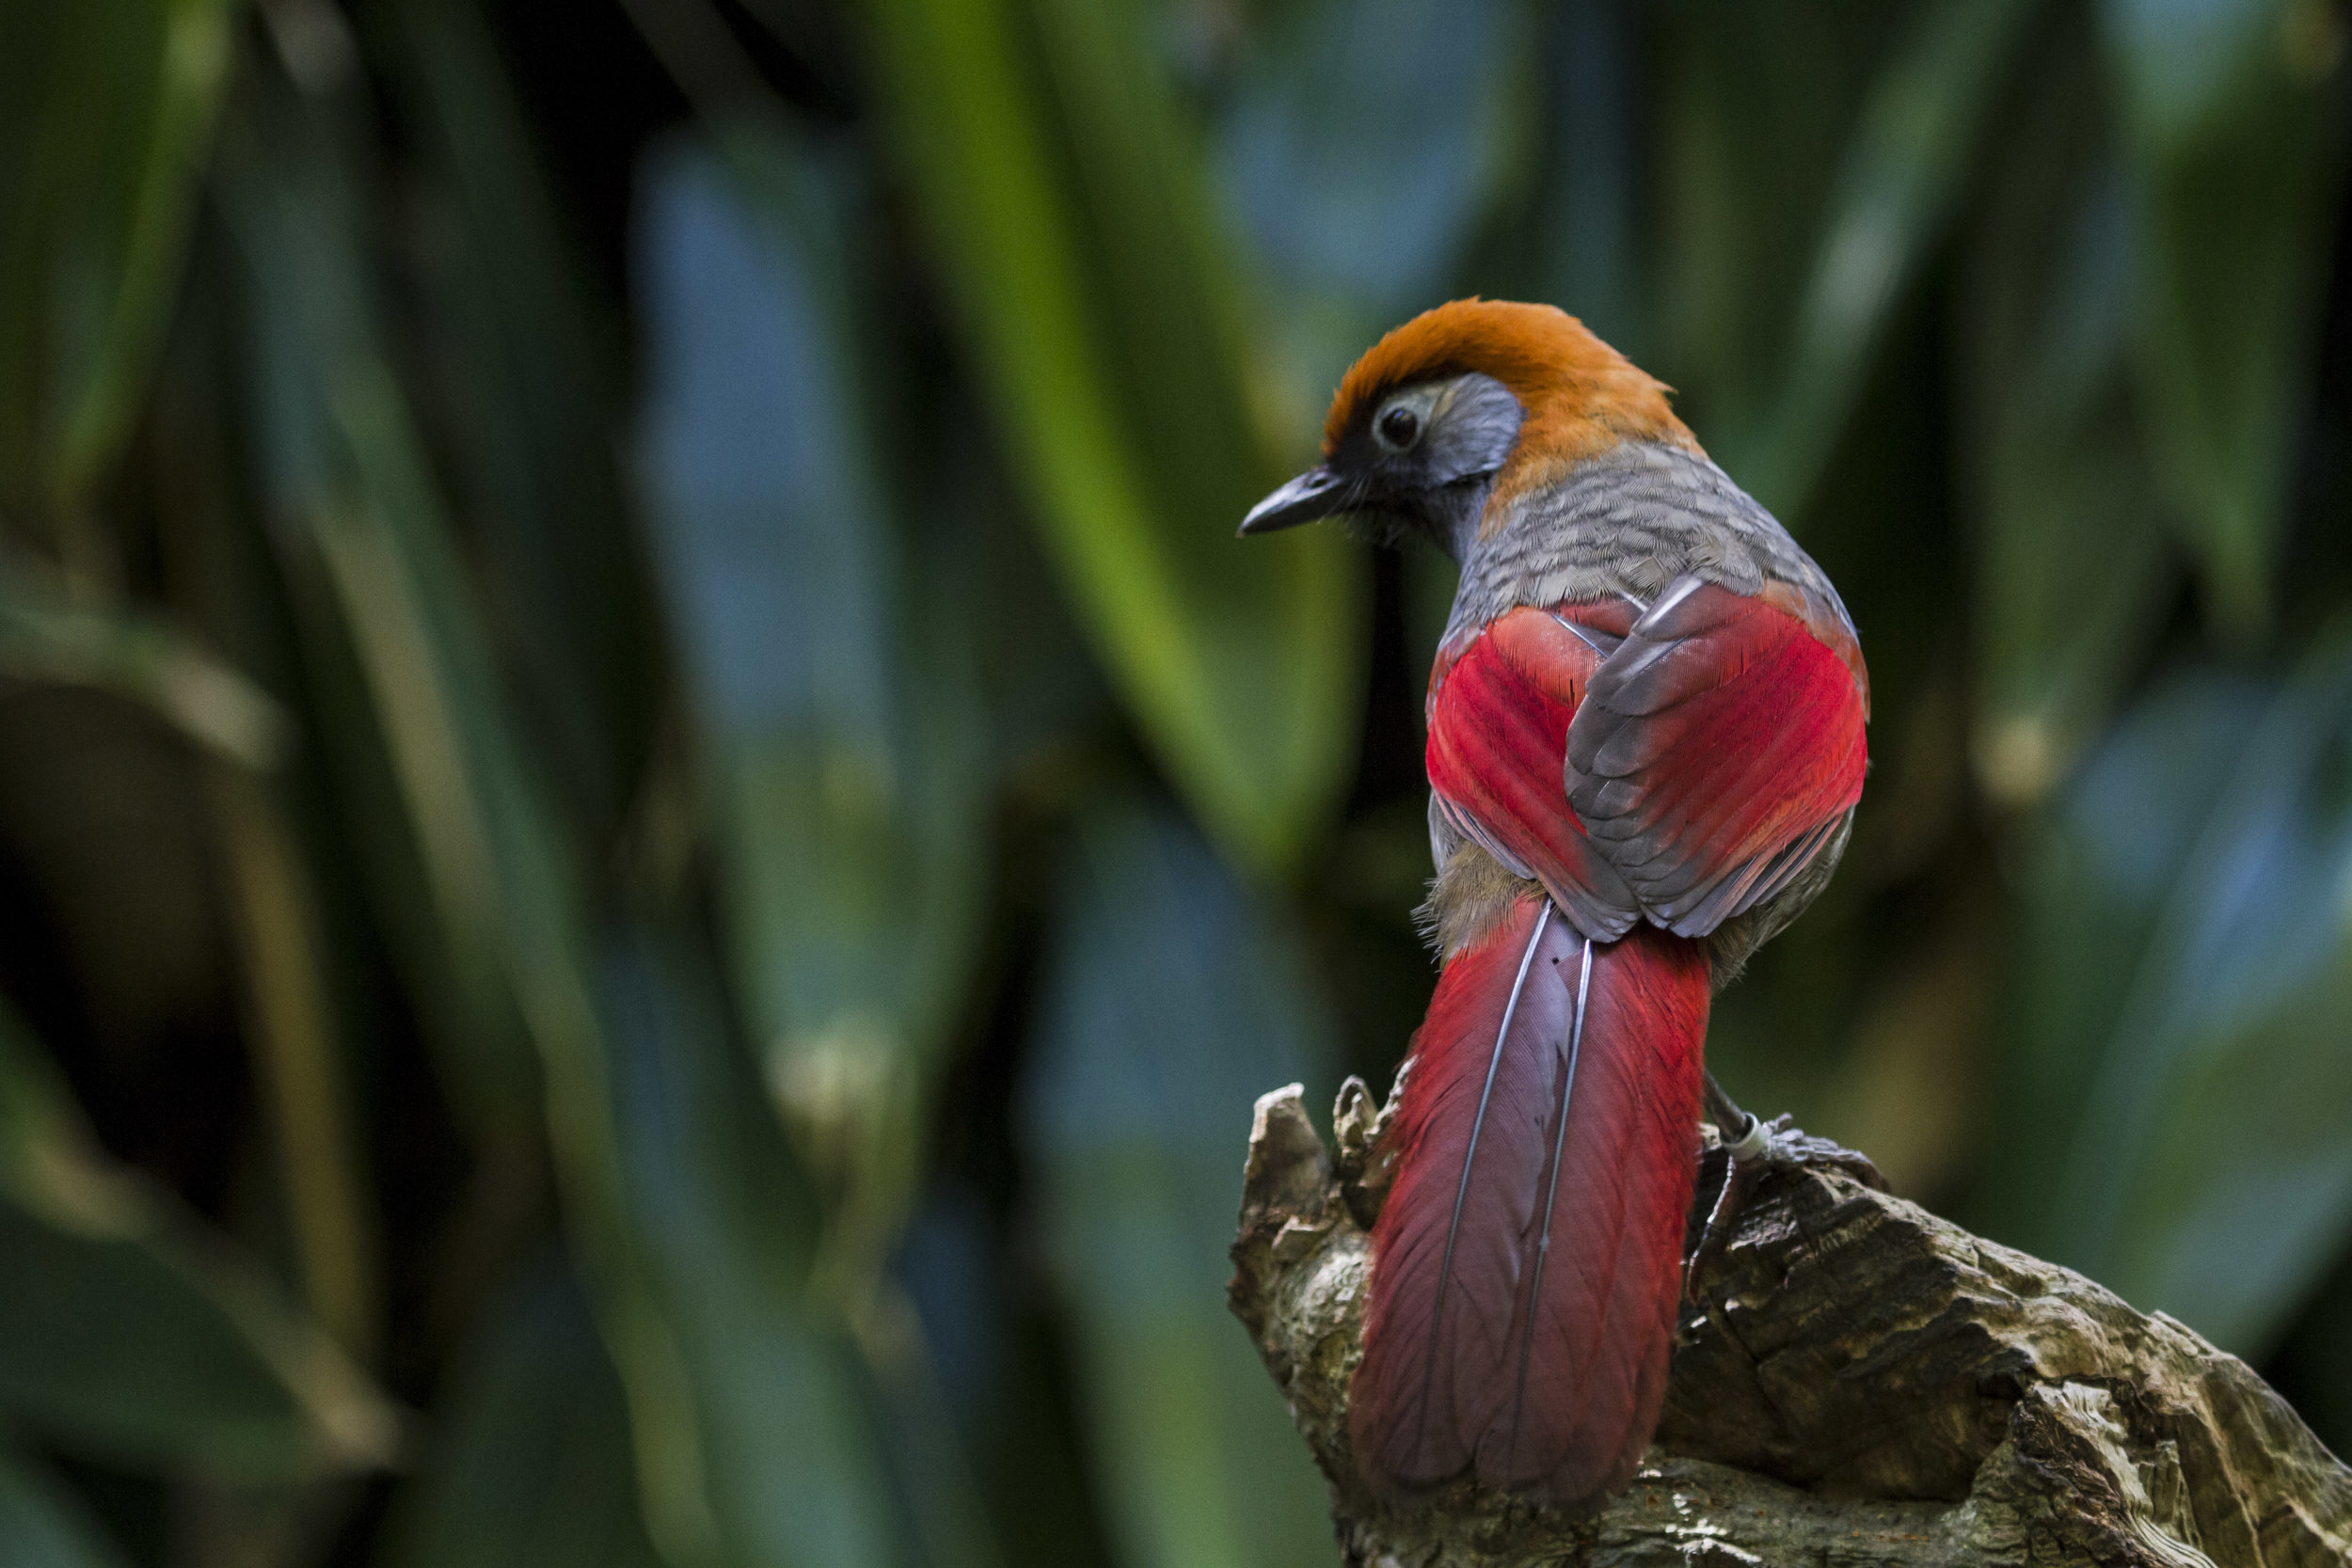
1859 1382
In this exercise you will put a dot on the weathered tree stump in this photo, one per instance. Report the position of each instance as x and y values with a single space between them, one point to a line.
1858 1382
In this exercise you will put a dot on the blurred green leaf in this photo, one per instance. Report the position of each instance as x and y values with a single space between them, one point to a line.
1900 175
1757 117
1046 699
693 1238
532 1466
1170 1005
2236 155
106 109
1105 328
1363 141
529 391
300 1058
2072 564
1589 260
127 1334
852 768
42 1526
727 1227
45 638
128 1347
2197 954
835 675
378 594
2100 868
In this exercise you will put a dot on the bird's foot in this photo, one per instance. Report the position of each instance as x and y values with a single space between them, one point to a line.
1750 1149
1781 1142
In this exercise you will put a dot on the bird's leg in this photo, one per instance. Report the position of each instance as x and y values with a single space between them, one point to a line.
1751 1146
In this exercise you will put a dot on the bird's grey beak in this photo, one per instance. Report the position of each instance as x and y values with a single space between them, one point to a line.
1312 494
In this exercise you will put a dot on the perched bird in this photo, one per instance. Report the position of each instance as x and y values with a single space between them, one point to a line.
1645 749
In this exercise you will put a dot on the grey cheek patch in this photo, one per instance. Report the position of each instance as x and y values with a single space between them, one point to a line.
1472 426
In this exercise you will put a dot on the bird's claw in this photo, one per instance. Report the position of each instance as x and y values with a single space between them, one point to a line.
1747 1157
1782 1141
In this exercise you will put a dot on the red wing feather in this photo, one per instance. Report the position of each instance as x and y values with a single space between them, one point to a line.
1499 714
1716 748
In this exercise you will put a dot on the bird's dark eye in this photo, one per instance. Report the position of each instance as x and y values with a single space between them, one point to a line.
1399 428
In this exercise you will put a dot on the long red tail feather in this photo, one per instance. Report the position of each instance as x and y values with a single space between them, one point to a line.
1526 1265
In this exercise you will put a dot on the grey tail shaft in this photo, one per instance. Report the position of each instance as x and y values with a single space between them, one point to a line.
1470 1155
1551 1192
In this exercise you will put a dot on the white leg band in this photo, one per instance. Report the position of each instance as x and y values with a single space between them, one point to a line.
1751 1143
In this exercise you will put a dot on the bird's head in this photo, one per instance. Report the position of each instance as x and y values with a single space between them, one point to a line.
1465 403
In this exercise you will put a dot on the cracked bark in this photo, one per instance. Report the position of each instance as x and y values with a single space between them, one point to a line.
1859 1382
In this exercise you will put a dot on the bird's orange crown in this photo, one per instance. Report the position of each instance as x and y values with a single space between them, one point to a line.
1582 396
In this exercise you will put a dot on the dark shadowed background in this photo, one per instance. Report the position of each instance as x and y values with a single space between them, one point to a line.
653 836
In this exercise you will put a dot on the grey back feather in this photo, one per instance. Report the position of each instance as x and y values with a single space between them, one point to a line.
1626 524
